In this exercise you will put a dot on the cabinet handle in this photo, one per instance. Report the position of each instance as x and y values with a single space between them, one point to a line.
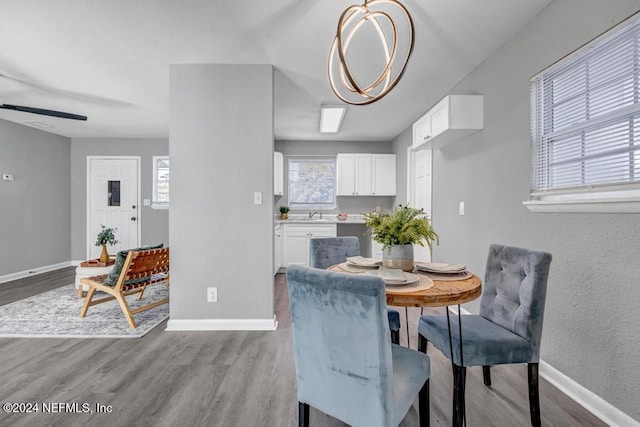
427 137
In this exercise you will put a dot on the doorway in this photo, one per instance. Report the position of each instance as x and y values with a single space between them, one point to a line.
113 200
419 181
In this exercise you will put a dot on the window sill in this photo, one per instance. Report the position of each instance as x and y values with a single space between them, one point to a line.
611 205
160 206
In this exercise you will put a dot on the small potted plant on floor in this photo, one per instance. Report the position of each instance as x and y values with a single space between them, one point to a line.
106 237
397 231
284 212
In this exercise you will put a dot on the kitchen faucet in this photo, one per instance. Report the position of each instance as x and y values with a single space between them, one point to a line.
311 214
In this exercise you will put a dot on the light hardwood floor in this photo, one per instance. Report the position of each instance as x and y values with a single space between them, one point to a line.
221 378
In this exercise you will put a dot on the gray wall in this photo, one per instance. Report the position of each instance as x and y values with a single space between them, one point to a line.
35 207
221 148
154 223
591 317
345 204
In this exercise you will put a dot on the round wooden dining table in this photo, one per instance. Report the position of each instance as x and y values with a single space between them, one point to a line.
445 291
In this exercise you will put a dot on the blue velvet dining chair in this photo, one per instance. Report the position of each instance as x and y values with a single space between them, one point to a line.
353 374
327 251
508 328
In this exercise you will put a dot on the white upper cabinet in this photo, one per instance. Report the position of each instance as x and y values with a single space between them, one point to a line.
383 173
365 174
453 118
278 174
346 175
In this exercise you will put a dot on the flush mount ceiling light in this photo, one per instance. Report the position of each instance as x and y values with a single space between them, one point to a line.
380 15
331 118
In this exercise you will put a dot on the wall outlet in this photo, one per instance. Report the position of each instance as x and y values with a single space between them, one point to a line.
212 294
7 177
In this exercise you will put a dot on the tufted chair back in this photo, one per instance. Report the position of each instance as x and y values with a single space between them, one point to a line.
327 251
514 291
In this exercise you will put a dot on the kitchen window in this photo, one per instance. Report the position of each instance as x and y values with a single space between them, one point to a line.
160 182
585 127
312 183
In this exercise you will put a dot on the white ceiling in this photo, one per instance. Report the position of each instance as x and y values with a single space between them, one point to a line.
109 59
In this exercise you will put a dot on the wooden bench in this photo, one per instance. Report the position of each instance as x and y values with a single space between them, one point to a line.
140 269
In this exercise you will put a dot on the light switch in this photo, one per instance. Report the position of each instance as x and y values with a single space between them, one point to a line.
461 208
257 198
7 177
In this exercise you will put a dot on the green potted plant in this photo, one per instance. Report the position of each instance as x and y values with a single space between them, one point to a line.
106 237
284 212
397 231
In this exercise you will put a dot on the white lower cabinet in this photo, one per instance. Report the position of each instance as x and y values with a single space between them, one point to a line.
296 238
277 248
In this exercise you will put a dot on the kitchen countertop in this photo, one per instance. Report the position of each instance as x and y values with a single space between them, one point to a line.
326 219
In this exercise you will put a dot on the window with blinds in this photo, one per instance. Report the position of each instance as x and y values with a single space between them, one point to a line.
312 183
585 117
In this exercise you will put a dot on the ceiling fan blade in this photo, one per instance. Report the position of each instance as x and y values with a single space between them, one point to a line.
43 112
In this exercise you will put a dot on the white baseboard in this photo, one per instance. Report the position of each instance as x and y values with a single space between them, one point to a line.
222 324
33 271
586 398
582 396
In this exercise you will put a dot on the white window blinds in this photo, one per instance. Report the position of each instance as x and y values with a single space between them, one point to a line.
312 183
585 115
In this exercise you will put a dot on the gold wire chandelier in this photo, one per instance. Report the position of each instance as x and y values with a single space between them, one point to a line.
351 20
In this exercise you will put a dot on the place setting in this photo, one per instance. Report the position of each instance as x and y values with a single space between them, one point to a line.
395 279
444 271
360 264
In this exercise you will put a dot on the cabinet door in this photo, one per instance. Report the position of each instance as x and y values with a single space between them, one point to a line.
439 117
421 131
295 241
295 246
345 174
328 230
363 174
277 248
383 174
278 177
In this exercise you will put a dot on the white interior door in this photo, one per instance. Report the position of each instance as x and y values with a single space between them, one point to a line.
113 199
419 188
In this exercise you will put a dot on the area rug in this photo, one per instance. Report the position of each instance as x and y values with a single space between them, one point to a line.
56 314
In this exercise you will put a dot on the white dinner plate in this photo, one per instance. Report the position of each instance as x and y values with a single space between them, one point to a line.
409 278
360 261
440 267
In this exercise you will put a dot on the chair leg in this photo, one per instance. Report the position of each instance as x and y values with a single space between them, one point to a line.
126 310
422 344
459 379
534 396
395 337
424 410
486 375
87 301
303 414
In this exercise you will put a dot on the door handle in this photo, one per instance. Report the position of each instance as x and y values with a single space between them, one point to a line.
133 218
133 207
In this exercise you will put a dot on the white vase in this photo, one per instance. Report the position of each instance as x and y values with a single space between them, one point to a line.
398 256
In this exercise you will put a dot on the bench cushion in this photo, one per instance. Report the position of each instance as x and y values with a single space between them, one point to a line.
121 257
